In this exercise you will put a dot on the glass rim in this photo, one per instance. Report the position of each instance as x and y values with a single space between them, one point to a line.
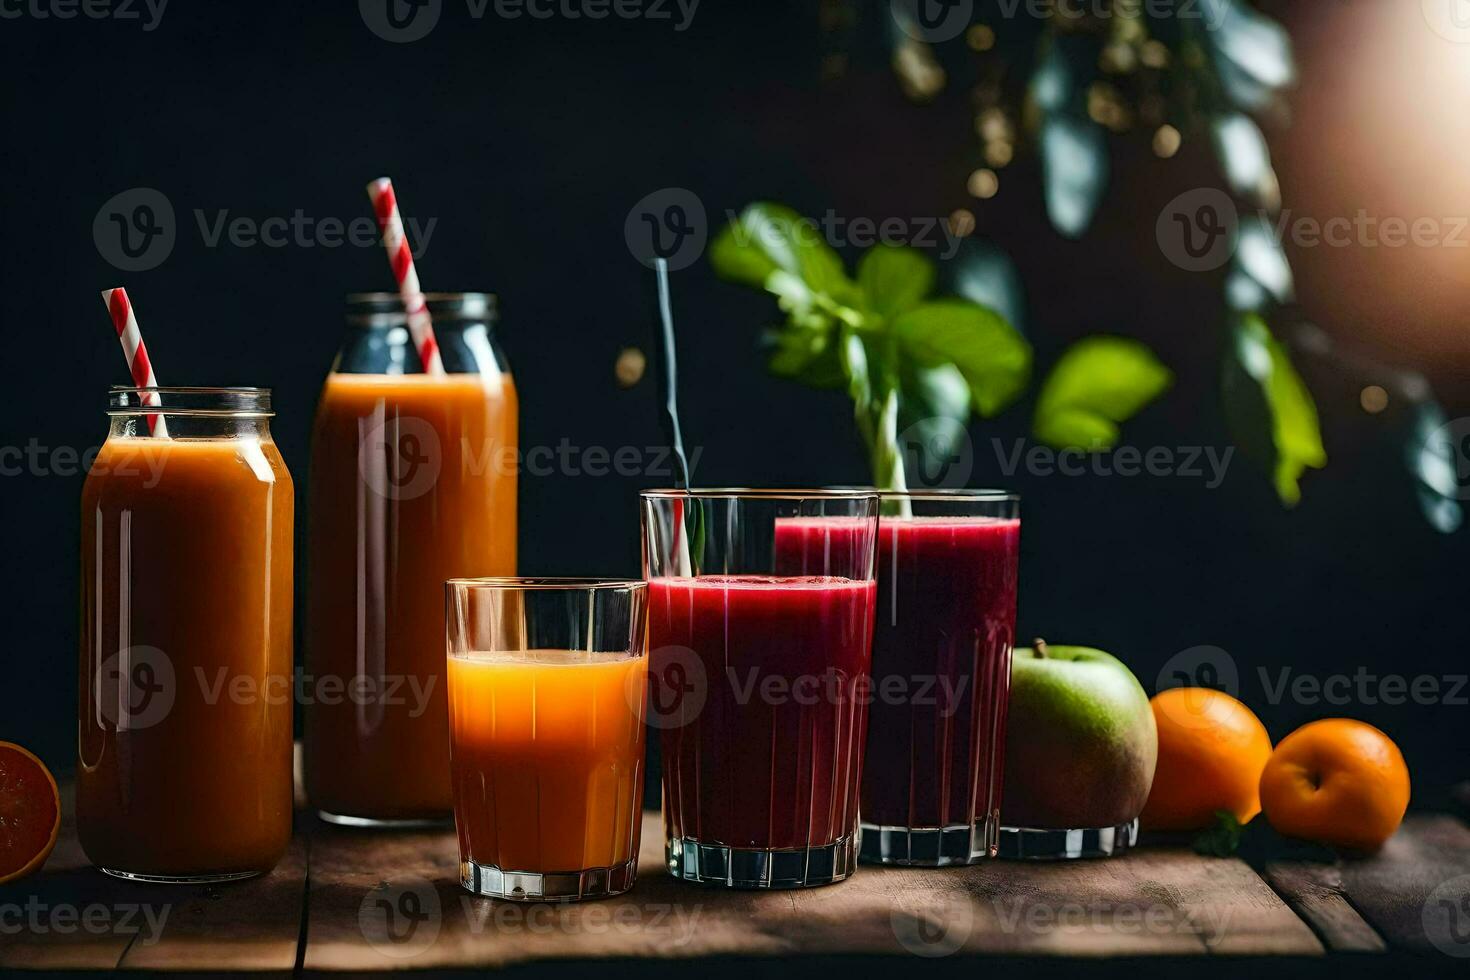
982 495
545 583
257 401
759 493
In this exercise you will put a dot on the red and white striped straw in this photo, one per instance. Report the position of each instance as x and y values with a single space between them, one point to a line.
141 368
400 256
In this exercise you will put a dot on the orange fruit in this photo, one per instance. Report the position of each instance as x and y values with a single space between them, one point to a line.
1212 749
30 812
1337 781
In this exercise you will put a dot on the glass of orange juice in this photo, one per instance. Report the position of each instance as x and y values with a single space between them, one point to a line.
547 682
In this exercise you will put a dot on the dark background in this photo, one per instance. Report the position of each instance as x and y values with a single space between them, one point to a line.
531 140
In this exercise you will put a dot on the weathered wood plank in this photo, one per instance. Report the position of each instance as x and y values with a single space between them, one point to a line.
74 917
1315 892
381 901
1416 891
397 880
1154 901
248 925
45 915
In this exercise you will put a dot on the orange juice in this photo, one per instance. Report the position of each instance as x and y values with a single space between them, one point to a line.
184 734
413 481
548 759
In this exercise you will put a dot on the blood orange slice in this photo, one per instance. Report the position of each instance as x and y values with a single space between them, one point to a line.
30 812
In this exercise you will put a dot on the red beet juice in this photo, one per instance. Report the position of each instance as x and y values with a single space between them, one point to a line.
946 617
768 755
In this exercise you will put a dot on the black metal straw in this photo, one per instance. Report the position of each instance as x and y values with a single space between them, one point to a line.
668 378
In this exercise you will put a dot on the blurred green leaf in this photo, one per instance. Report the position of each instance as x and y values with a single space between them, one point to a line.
767 238
1066 67
738 257
994 360
1098 382
1053 87
1258 255
982 273
894 278
1241 90
1269 407
1443 514
809 356
1074 157
1243 294
1073 148
1437 453
1251 53
1246 160
1253 43
903 361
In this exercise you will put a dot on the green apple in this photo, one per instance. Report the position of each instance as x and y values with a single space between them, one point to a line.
1081 744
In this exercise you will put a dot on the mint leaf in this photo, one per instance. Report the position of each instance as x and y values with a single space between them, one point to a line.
1223 839
1269 407
894 278
809 356
994 359
770 238
1098 383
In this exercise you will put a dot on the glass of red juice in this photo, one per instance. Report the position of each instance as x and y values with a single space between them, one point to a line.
946 622
758 681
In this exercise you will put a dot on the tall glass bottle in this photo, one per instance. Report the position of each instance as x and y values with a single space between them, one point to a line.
412 482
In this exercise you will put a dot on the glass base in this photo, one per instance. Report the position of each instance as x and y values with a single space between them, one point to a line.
207 879
931 847
1036 844
372 823
739 867
557 886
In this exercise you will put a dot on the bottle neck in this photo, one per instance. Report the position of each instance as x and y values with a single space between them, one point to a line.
465 347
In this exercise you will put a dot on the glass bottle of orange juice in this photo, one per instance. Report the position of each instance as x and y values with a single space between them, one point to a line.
184 727
412 482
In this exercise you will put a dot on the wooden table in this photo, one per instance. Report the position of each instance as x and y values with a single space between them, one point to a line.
347 900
